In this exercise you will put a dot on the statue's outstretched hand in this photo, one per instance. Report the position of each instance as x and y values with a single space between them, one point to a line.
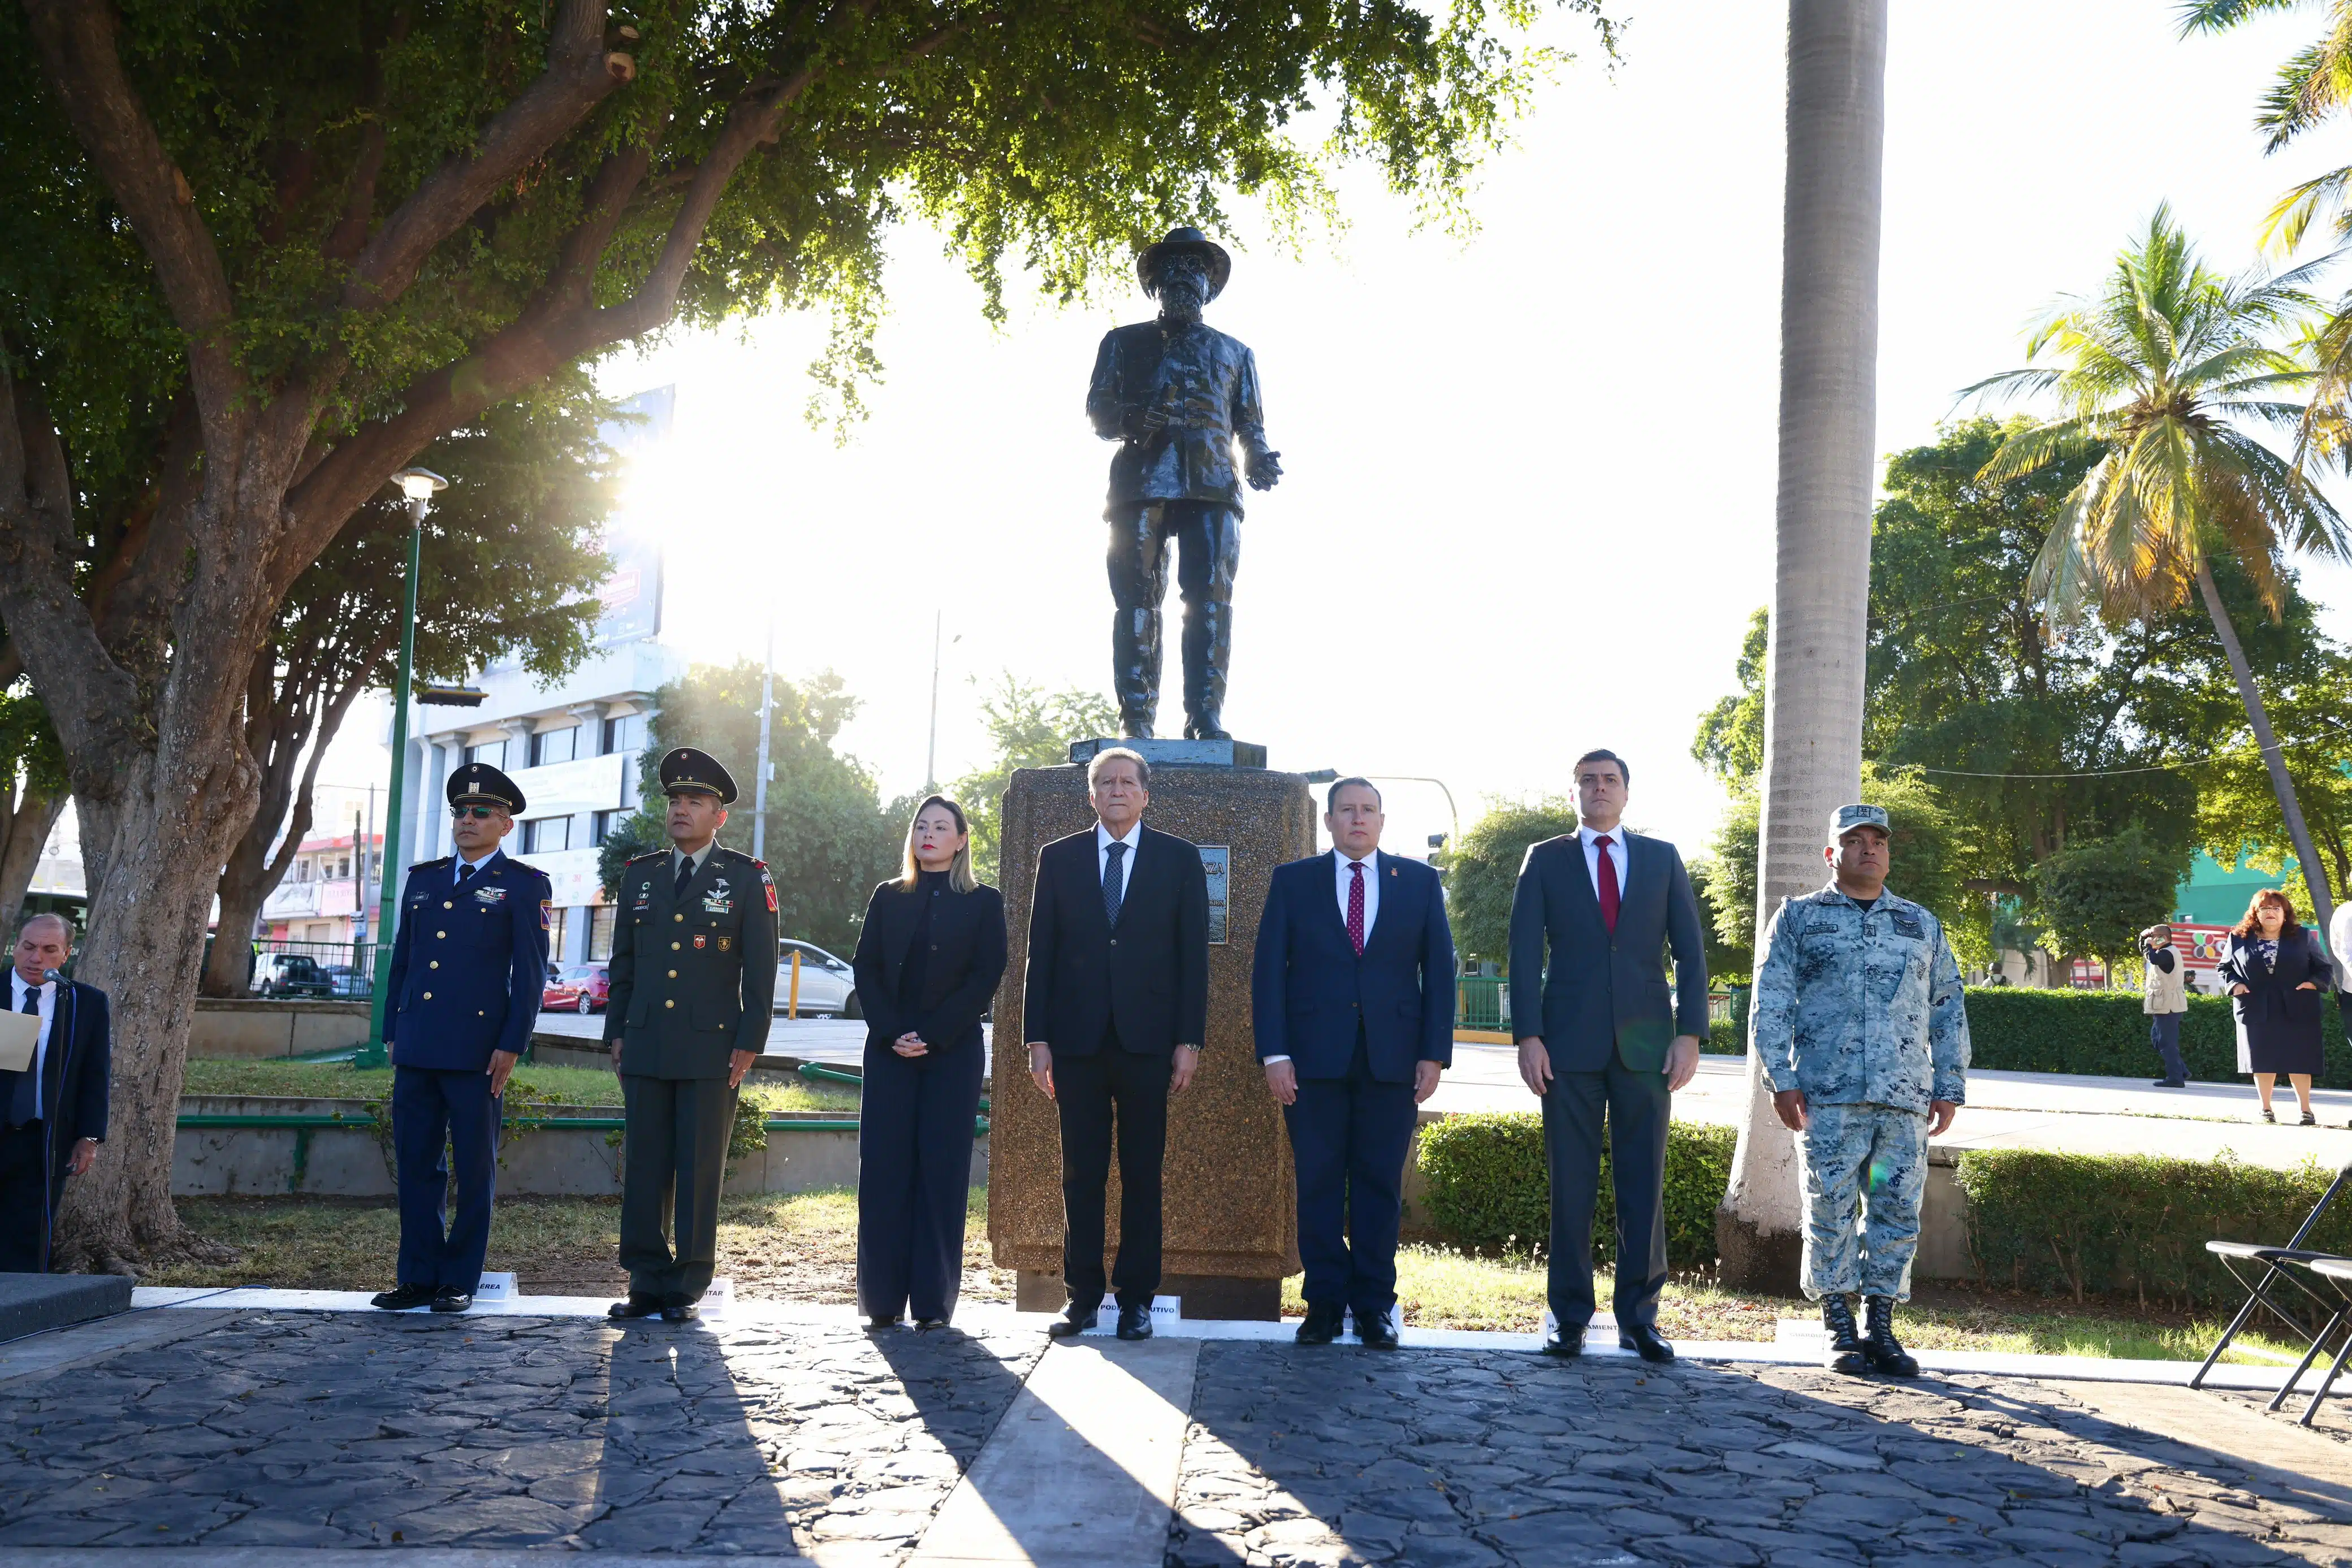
1264 470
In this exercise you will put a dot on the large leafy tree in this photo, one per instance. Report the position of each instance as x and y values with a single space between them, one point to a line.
1485 868
507 568
1027 728
254 259
2170 370
33 795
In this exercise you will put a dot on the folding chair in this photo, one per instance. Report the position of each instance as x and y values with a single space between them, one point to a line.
2337 1273
2241 1258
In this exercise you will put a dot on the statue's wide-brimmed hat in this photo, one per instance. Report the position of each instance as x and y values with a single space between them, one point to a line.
1179 241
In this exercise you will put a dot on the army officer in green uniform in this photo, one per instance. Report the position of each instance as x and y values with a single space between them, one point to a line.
693 984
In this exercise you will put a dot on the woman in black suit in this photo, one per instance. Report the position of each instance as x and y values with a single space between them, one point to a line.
2280 976
928 961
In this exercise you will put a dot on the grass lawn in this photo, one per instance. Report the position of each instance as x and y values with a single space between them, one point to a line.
803 1246
560 1085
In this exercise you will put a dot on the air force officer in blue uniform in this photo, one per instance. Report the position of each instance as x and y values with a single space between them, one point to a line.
1351 998
469 966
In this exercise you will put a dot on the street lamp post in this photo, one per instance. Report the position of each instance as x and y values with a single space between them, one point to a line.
418 485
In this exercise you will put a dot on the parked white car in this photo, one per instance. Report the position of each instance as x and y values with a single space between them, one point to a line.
827 988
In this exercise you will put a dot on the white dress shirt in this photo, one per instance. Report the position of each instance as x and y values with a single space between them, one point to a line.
1103 842
48 992
1617 857
1343 875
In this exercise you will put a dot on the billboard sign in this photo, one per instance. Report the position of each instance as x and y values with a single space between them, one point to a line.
630 598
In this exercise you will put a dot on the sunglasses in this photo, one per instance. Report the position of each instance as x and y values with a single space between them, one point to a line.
479 813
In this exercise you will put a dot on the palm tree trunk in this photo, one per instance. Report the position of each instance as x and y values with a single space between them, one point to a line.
2314 870
1821 591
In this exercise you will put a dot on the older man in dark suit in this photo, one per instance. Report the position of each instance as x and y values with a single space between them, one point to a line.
1351 998
1115 1005
53 1113
1599 1029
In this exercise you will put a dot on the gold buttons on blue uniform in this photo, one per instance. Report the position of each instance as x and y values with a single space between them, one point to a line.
428 996
434 965
669 1004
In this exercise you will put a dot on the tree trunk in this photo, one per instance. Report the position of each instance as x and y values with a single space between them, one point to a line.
2314 870
243 888
1820 593
26 835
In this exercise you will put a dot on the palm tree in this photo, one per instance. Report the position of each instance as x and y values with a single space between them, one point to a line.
2164 369
2312 85
1828 396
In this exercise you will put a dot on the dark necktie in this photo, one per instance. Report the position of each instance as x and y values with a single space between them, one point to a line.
1114 883
1608 887
1355 906
684 876
25 1101
464 870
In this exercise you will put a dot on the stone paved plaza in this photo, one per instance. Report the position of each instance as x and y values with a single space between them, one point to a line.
806 1439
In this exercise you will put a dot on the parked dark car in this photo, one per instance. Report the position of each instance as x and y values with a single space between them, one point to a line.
582 988
290 975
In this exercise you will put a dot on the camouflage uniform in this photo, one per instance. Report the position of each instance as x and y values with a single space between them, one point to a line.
1862 1010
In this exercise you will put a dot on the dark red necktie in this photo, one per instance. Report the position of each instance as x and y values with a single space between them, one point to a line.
1355 906
1608 887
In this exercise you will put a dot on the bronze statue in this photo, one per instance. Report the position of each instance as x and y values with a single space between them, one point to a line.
1177 395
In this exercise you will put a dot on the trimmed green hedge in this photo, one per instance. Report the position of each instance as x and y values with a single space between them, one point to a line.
2133 1223
1487 1185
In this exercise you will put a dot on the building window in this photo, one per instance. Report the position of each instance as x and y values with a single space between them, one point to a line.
302 870
493 752
600 827
625 733
545 835
600 921
559 923
554 745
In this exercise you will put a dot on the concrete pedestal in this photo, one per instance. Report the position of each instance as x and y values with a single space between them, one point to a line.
1231 1211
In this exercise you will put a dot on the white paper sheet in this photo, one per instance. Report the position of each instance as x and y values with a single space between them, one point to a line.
19 1034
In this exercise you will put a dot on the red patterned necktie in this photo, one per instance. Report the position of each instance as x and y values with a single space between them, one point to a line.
1608 887
1355 906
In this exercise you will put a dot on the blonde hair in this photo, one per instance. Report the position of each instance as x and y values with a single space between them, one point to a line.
959 871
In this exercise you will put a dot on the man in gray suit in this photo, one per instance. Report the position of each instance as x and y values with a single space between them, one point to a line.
1601 1030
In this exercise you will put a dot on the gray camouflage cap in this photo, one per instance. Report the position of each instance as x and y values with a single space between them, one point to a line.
1846 819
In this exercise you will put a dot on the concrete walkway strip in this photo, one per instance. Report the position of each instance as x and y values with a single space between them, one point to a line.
1792 1350
322 1557
1081 1473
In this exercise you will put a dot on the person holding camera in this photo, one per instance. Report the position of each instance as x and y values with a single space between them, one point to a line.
2165 1001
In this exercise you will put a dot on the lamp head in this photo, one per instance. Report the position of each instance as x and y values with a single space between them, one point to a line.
418 484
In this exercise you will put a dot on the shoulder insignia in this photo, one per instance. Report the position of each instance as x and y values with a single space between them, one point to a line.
649 854
432 865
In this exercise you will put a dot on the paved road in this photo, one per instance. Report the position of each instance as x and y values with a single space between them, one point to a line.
811 1039
799 1437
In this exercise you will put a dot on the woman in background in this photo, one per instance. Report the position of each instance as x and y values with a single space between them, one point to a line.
928 961
2276 971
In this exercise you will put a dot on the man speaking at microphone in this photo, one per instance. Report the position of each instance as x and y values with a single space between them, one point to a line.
52 1113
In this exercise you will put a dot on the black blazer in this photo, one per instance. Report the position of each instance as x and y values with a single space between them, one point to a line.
1149 977
1606 993
967 959
74 1092
1310 990
2276 1013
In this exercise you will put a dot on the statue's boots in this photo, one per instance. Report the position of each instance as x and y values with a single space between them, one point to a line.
1879 1348
1208 652
1841 1348
1134 670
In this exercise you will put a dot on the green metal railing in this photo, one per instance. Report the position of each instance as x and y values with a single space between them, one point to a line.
1481 1002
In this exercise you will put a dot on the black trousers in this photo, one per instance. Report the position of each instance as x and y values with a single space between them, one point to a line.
1638 1109
673 1164
1207 540
914 1177
434 1114
28 1199
1087 1091
1348 1139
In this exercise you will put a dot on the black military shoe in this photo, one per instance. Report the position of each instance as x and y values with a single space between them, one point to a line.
404 1298
1378 1331
1320 1326
1135 1322
929 1325
638 1305
877 1322
1841 1341
1643 1341
450 1300
679 1310
1567 1340
1880 1351
1075 1321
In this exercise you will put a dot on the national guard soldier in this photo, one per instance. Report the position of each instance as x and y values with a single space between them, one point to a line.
693 984
469 966
1860 1029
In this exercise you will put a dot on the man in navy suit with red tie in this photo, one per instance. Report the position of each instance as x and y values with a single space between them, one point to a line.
1351 998
1599 1029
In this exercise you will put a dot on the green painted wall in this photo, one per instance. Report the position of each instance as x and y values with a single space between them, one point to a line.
2216 894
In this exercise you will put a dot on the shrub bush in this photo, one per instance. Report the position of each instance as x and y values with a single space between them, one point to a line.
2014 1030
2136 1224
1487 1185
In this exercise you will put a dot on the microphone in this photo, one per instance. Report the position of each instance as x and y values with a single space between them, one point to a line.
47 975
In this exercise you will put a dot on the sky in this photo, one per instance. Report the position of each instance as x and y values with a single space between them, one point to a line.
1529 473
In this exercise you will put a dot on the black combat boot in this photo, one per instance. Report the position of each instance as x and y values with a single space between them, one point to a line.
1841 1342
1879 1349
1134 670
1208 655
